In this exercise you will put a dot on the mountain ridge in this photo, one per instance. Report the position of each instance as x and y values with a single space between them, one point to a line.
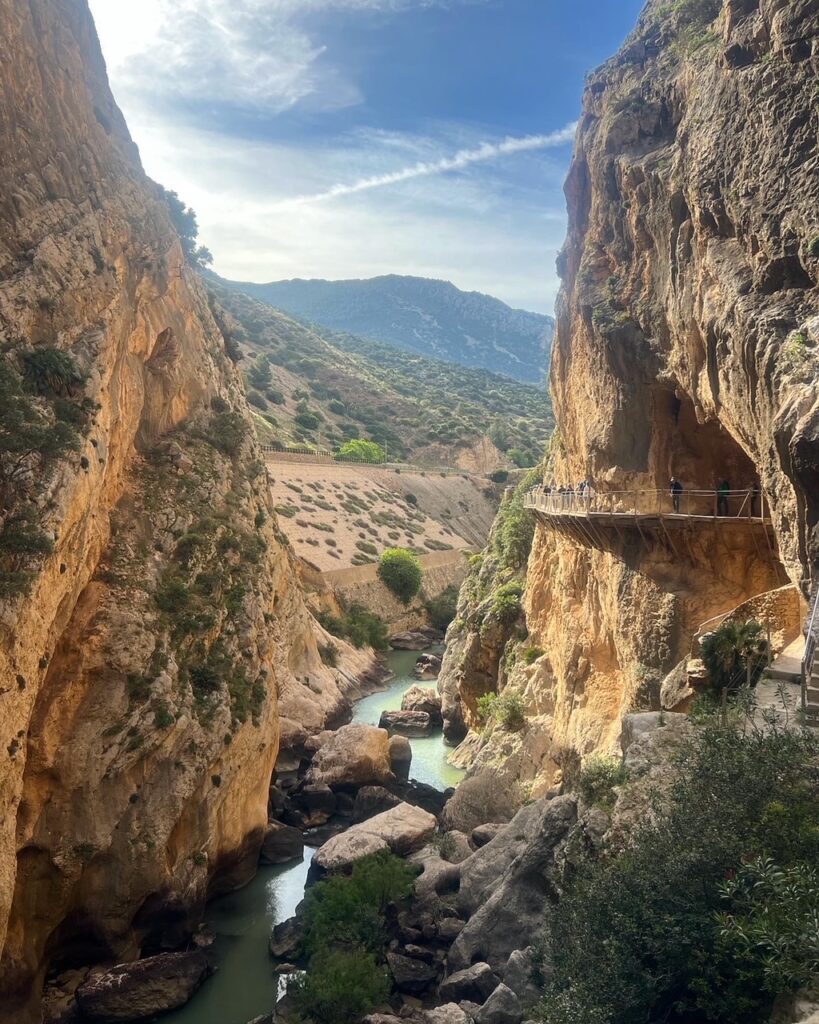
429 316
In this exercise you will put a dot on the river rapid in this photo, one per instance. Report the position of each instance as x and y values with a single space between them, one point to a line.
244 985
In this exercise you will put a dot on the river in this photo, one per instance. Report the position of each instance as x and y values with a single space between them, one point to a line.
245 986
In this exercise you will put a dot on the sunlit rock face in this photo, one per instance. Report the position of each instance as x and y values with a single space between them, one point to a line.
139 675
687 340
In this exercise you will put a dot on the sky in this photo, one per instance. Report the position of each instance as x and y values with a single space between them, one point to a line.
350 138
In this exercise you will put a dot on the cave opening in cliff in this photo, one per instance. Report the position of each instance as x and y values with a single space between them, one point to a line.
701 455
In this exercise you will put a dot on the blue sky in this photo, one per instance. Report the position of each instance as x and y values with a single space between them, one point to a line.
348 138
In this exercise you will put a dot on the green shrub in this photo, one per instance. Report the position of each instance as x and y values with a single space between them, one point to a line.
259 372
531 654
366 547
641 935
400 571
813 246
362 451
226 432
486 705
308 420
360 627
598 777
506 604
341 987
499 476
51 372
256 399
769 921
509 711
275 396
730 651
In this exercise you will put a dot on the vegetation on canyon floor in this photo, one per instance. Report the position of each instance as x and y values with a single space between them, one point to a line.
345 940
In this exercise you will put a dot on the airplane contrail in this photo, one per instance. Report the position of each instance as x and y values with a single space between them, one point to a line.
463 158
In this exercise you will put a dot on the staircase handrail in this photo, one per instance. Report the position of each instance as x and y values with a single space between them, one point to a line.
810 647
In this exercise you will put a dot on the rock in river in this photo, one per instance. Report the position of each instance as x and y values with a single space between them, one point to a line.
281 844
136 991
355 755
423 698
403 829
407 723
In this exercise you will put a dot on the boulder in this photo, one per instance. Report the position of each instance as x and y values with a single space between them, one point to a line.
315 802
449 928
281 843
372 800
641 723
481 872
420 698
450 1013
481 798
285 938
519 976
400 757
511 913
428 666
484 834
475 983
411 976
413 640
502 1007
354 756
406 723
403 829
145 988
343 850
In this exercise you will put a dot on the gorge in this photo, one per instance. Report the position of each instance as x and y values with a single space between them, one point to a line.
201 662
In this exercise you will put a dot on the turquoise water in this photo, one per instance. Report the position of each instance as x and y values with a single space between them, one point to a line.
429 755
245 986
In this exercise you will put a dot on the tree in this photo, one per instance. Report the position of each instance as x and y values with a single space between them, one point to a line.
259 372
400 571
187 227
362 451
730 651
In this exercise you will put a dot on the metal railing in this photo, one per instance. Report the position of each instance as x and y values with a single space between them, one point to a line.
811 640
702 504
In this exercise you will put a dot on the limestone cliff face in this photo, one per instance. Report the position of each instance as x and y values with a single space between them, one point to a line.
139 672
687 343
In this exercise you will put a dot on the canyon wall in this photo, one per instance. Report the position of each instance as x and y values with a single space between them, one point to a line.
686 345
150 612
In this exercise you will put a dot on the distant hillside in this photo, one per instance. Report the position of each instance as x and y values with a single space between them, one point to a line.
325 388
432 318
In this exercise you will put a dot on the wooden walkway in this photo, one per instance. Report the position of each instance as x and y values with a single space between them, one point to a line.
591 517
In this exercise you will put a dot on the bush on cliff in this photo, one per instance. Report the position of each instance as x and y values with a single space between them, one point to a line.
360 627
400 571
642 934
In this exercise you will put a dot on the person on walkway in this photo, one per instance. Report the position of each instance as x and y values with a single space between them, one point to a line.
753 498
723 491
676 493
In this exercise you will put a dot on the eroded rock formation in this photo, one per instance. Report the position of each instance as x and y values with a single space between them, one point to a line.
139 671
686 344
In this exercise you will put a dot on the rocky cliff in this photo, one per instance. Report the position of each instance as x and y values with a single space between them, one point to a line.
149 609
686 344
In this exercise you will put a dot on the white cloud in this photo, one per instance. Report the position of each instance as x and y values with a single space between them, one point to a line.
459 162
494 226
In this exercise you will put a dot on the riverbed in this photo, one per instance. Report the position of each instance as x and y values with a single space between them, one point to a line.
245 986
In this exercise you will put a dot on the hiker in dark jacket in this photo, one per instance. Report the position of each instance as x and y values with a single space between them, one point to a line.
723 491
676 489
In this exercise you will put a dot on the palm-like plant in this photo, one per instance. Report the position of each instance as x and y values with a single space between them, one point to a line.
730 649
